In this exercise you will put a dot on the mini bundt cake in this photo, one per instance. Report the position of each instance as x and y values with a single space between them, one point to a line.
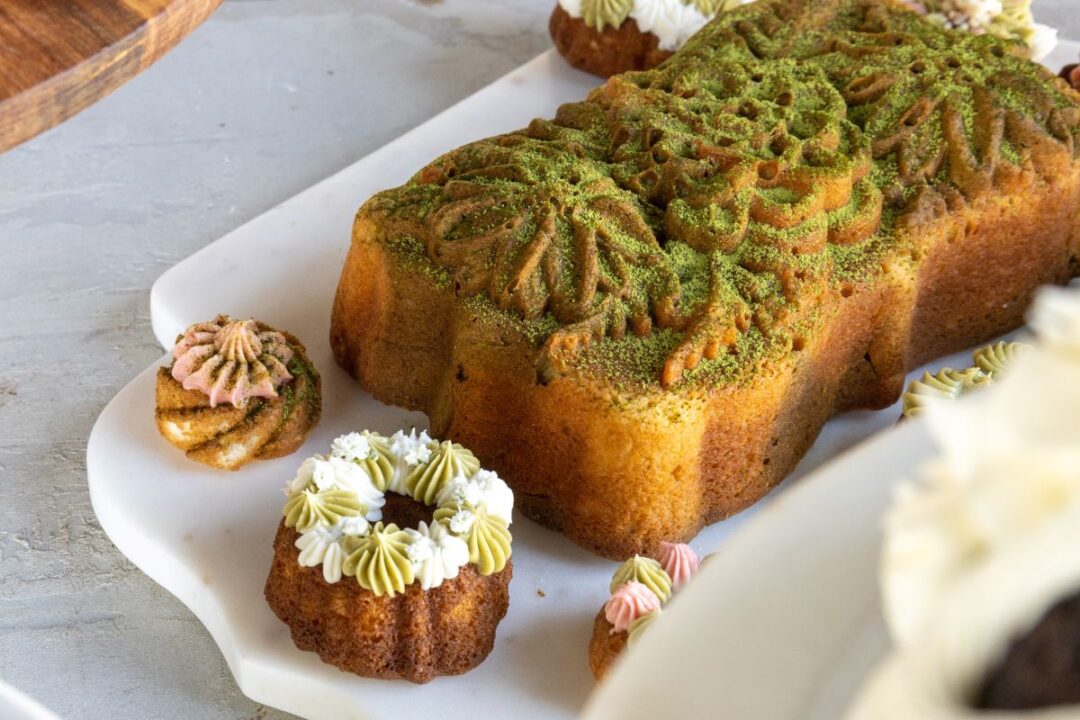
410 585
237 391
642 312
639 589
608 37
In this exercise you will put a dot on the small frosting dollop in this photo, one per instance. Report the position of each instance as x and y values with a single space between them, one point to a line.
380 562
483 488
448 461
645 571
408 451
486 534
679 561
368 450
306 509
639 626
436 554
627 603
232 360
599 14
320 474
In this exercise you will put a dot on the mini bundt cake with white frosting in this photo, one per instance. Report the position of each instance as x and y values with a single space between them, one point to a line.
392 559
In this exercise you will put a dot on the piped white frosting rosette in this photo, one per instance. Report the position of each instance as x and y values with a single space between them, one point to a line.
988 540
335 504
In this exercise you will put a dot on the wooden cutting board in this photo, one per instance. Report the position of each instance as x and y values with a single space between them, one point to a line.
59 56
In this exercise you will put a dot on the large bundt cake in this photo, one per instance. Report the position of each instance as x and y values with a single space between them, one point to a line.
642 312
410 585
237 391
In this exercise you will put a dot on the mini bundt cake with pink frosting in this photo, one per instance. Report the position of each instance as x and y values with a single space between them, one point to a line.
237 391
639 589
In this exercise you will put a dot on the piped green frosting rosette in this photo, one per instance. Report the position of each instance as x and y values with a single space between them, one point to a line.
991 364
646 571
335 504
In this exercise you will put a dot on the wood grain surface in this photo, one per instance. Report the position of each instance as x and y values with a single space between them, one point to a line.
59 56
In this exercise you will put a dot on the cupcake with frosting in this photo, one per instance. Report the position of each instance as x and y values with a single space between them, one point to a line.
237 391
980 570
640 588
607 37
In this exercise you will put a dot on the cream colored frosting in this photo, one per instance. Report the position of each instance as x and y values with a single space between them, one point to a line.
436 554
335 504
988 539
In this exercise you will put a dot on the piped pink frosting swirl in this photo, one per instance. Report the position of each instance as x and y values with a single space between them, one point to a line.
679 561
630 601
232 360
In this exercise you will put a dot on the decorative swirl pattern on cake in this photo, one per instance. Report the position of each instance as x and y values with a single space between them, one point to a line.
679 561
232 360
333 501
449 461
645 571
713 200
630 601
381 561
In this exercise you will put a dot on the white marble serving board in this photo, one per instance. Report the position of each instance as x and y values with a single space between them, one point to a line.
206 535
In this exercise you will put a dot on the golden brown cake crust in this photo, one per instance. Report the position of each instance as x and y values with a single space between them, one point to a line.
604 646
604 52
416 635
227 437
960 225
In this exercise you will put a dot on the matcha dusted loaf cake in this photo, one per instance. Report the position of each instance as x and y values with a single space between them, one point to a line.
641 312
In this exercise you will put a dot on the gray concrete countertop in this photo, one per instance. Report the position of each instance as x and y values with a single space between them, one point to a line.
268 97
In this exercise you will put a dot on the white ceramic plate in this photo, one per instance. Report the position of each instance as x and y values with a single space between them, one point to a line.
784 622
206 536
14 705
